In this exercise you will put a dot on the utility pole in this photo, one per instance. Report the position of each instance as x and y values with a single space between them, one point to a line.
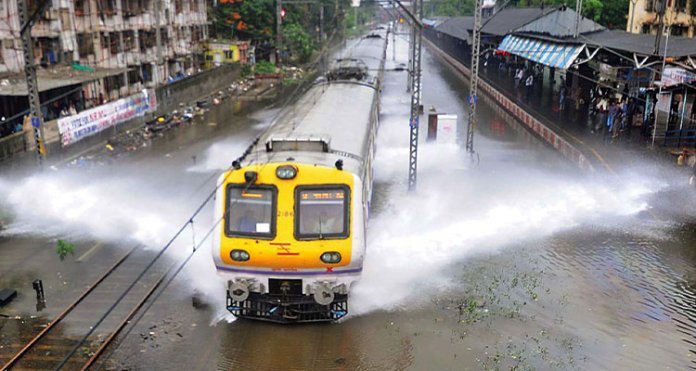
409 75
27 21
633 10
279 39
578 16
662 81
661 16
473 89
416 41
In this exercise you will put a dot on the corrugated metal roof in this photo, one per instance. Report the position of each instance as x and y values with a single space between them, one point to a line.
643 44
510 19
560 23
457 27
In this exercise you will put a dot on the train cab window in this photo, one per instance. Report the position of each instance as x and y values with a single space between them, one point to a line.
322 212
250 212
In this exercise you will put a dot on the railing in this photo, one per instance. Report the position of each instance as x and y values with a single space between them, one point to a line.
680 138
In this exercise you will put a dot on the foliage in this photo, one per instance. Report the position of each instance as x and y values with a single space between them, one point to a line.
246 70
64 248
255 20
608 13
449 8
298 42
264 67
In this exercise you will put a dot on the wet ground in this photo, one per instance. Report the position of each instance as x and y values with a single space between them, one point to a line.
516 260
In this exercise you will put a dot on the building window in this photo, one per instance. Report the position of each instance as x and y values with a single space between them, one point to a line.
84 44
229 54
645 28
680 6
649 5
114 42
128 40
679 30
80 8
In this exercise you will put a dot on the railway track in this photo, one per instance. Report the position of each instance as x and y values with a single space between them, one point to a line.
96 316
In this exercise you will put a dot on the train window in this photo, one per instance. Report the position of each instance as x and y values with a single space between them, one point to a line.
250 211
322 212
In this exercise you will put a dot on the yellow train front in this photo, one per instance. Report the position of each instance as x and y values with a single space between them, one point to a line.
292 213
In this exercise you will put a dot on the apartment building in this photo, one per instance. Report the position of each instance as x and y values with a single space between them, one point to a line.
108 47
680 16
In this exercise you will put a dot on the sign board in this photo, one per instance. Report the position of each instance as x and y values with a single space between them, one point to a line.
676 76
446 128
92 121
36 122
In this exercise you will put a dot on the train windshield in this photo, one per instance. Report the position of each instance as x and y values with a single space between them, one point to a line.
250 211
322 212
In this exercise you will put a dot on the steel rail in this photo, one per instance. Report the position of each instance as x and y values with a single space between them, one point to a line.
126 320
65 312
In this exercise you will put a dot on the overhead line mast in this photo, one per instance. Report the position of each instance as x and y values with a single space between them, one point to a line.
27 21
473 88
416 41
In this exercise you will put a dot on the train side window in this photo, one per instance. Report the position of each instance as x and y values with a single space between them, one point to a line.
322 212
251 211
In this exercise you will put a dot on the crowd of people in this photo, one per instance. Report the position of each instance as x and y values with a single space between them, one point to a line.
64 107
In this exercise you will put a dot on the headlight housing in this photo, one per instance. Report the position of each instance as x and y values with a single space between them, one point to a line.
331 257
239 255
286 172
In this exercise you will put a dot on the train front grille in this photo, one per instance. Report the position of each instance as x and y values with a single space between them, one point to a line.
284 287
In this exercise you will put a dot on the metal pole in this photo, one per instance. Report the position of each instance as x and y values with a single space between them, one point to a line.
662 79
30 74
415 96
473 89
321 36
578 16
633 11
683 112
279 7
661 16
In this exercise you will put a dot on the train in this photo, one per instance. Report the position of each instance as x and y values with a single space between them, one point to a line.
292 212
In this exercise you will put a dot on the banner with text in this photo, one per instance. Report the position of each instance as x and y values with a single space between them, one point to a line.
77 127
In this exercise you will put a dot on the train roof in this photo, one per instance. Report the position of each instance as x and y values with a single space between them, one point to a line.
333 118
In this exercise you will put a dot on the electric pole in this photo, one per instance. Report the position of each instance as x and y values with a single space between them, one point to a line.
279 39
27 21
415 72
473 89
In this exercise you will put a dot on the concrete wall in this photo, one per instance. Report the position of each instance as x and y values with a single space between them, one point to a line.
640 16
186 91
196 87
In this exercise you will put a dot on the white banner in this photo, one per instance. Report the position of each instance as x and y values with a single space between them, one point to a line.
676 76
77 127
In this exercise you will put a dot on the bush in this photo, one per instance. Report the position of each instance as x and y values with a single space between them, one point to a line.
246 70
64 248
263 67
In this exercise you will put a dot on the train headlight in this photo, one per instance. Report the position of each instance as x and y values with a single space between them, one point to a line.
331 257
286 172
239 255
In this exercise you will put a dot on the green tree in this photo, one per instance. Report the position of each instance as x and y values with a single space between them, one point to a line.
608 13
298 42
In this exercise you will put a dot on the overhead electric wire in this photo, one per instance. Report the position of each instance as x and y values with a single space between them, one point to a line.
183 227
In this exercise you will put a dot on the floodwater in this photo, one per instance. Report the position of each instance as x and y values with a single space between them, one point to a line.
513 260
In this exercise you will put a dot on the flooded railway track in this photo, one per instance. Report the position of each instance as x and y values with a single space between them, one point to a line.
84 329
